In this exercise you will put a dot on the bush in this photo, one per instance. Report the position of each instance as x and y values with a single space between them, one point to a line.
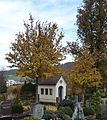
65 103
3 88
98 115
17 106
28 89
59 114
67 117
88 111
66 110
48 114
31 118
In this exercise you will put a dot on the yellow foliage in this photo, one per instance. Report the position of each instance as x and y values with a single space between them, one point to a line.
11 89
50 107
84 73
26 108
38 51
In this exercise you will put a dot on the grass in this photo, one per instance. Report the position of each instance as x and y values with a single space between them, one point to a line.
14 78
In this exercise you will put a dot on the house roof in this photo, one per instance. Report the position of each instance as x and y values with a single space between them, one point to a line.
54 80
49 81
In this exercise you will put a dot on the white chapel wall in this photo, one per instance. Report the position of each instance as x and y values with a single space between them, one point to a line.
63 84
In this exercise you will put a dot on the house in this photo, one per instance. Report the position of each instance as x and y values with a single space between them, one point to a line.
52 90
13 82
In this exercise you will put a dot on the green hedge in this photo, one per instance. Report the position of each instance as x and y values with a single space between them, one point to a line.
17 108
67 117
65 103
88 111
48 114
66 110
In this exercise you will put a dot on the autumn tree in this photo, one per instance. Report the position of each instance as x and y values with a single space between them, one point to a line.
38 51
92 32
3 87
84 74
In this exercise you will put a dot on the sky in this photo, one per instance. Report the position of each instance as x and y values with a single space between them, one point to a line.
13 13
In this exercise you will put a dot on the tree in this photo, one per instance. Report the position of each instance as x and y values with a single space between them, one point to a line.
92 32
84 73
28 90
3 87
38 51
96 99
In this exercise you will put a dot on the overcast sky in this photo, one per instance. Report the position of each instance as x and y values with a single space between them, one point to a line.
14 12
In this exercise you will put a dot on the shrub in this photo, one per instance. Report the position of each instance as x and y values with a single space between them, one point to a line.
67 117
28 89
98 115
88 111
31 118
17 108
3 88
65 103
59 114
66 110
48 114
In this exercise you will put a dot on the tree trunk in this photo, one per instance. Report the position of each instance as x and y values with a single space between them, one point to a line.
36 95
82 101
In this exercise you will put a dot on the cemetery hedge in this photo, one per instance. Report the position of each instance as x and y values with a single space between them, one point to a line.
88 111
65 103
67 117
48 114
67 110
17 106
28 90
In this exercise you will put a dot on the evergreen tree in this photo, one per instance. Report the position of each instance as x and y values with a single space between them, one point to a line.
3 87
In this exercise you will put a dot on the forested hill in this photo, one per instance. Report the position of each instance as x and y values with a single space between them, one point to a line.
65 67
10 72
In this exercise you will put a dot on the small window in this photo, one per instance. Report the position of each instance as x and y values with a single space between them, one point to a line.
50 91
42 91
46 91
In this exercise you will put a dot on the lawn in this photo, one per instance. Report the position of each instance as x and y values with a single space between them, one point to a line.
14 77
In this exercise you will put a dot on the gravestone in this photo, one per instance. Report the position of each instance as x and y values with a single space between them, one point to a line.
37 110
78 112
103 109
6 107
88 103
32 106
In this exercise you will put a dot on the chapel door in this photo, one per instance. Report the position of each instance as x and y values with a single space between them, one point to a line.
60 93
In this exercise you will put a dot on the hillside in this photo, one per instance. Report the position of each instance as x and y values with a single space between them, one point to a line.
65 67
10 72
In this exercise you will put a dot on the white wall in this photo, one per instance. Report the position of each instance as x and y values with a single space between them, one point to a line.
52 98
63 84
47 98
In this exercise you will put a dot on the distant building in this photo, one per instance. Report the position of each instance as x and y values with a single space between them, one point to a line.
13 82
52 90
